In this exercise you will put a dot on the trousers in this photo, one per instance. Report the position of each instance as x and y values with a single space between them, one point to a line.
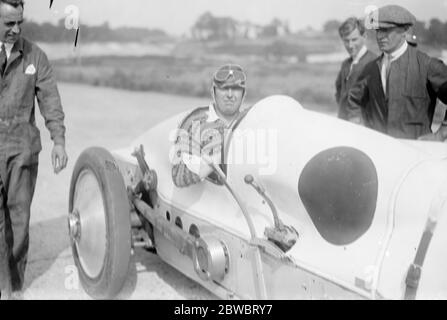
18 176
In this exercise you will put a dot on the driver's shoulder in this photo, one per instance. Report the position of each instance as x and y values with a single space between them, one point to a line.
199 114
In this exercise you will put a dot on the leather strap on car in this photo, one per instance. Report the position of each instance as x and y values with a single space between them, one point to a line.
415 270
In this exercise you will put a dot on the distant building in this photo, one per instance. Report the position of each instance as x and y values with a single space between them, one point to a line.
249 30
209 27
281 28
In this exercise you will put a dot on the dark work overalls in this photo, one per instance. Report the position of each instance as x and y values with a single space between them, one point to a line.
27 75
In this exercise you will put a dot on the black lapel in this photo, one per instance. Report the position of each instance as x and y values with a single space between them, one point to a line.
16 52
382 101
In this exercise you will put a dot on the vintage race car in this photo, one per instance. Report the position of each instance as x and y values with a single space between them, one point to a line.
307 207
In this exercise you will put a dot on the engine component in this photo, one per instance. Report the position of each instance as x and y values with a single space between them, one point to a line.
211 258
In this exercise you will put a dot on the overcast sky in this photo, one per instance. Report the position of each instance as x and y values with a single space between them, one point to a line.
177 16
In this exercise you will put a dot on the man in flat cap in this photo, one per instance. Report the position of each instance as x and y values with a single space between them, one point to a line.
397 92
352 33
25 74
202 133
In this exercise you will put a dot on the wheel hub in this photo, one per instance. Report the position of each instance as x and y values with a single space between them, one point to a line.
74 226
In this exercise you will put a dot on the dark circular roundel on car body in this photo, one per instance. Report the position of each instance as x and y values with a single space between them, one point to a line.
338 188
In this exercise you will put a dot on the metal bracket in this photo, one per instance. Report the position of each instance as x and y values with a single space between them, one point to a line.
413 276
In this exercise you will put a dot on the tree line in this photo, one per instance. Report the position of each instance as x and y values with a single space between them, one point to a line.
207 27
210 28
47 32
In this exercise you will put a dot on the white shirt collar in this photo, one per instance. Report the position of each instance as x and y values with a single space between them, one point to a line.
212 114
393 56
8 47
359 55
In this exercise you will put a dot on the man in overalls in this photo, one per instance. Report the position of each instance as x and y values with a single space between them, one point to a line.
25 74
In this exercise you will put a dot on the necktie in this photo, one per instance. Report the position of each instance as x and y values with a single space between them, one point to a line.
351 68
385 72
3 59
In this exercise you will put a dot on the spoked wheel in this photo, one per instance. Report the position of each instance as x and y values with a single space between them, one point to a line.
99 223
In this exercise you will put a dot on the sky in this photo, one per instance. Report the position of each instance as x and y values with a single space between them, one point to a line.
177 16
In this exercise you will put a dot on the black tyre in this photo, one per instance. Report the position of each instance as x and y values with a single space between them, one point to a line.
99 223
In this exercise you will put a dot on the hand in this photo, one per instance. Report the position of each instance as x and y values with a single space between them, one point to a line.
59 158
440 135
429 137
356 120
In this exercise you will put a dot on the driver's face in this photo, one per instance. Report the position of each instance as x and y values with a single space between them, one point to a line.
228 100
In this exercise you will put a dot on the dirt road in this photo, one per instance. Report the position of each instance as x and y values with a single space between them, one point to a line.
112 119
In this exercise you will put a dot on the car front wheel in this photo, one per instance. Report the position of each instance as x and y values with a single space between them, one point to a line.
99 223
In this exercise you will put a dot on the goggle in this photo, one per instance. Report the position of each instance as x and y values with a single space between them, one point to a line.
230 77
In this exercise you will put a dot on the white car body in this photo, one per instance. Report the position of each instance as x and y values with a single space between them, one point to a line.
411 186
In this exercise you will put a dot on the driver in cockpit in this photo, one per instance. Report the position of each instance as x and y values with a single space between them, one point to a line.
201 135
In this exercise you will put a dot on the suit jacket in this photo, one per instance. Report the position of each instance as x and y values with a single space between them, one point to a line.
406 111
347 78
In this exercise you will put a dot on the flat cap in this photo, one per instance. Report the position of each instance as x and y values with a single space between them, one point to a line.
391 16
229 75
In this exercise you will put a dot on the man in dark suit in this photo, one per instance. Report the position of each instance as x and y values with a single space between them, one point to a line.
352 33
397 92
